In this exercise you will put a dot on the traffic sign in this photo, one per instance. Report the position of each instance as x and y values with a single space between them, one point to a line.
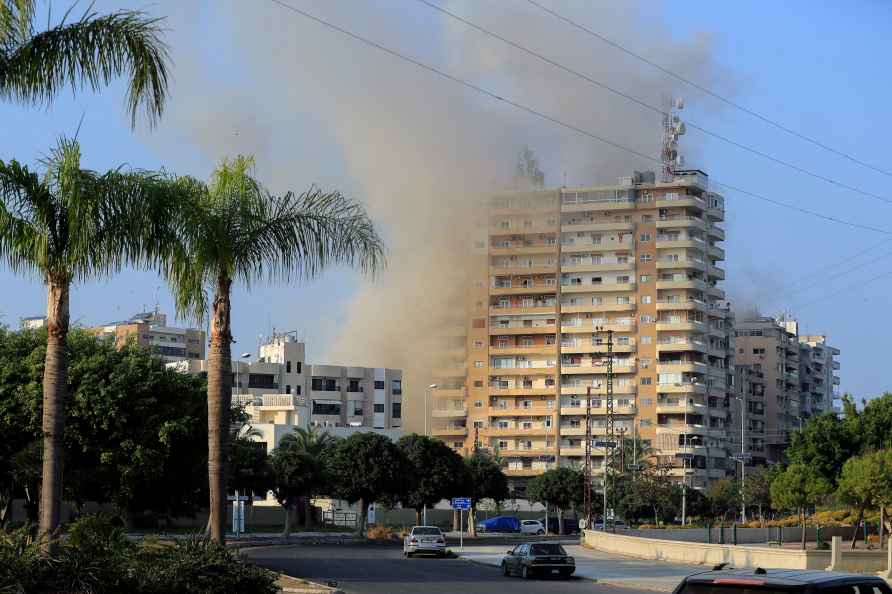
684 455
605 444
743 456
461 503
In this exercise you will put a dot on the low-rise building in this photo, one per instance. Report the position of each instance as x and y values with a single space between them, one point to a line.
150 330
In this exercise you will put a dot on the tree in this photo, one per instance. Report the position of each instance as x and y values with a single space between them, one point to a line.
873 424
723 498
484 479
294 474
798 487
134 431
70 226
824 444
866 481
234 230
368 467
562 487
757 489
249 463
436 467
90 52
318 445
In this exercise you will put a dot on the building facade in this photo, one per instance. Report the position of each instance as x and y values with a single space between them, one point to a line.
150 330
555 274
798 373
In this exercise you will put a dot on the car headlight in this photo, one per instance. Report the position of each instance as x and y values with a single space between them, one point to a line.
571 560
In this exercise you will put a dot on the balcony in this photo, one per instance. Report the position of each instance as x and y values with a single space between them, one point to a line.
449 393
497 310
682 388
524 330
683 283
681 222
598 410
270 401
679 200
598 267
449 431
522 270
590 328
522 248
539 349
672 241
521 391
520 411
539 227
531 289
536 429
716 232
586 346
715 252
596 308
597 288
681 367
584 368
681 346
689 305
449 413
543 370
583 226
598 391
682 263
603 246
680 326
716 293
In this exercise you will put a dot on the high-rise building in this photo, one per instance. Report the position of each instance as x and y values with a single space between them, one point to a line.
150 329
798 373
557 271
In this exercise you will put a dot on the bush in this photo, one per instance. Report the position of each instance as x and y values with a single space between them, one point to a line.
98 559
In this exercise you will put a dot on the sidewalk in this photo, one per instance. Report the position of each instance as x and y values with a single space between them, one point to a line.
603 568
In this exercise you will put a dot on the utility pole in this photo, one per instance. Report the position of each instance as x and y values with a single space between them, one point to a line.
611 444
742 460
587 495
622 449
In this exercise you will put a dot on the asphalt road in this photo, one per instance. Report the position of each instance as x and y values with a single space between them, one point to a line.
381 569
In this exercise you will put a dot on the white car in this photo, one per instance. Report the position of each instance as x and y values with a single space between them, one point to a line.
532 527
424 539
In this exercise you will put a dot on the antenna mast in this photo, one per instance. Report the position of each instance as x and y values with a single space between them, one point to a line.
673 127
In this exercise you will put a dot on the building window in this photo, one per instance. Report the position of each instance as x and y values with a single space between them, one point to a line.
644 237
478 404
357 408
287 389
645 422
379 408
396 387
262 380
478 323
646 381
478 344
645 299
353 385
379 384
478 383
646 339
299 366
396 410
478 364
645 278
297 389
287 366
645 363
647 402
647 319
478 424
645 258
320 407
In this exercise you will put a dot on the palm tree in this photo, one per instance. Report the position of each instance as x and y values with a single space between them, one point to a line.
233 229
72 225
89 52
315 444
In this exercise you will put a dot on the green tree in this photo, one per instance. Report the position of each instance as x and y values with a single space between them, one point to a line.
483 479
71 225
368 468
873 424
234 230
134 431
824 444
89 52
436 467
798 487
866 482
757 489
562 487
295 472
318 445
249 464
723 497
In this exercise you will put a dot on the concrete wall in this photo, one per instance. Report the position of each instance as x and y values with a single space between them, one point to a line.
737 556
744 535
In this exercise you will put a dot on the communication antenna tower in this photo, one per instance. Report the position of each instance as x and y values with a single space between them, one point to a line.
673 127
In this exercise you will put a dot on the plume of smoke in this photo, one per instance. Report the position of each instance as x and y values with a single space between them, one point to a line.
424 151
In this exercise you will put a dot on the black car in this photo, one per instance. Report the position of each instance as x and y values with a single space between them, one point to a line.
781 581
538 559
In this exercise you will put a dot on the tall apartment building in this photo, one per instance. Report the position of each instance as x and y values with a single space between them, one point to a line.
558 268
798 372
281 391
150 329
749 410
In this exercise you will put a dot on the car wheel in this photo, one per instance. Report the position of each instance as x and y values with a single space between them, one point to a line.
505 571
525 572
408 555
540 531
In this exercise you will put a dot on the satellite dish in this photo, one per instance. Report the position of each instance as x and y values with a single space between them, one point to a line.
679 103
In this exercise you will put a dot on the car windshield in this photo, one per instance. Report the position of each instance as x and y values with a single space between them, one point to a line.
547 549
426 531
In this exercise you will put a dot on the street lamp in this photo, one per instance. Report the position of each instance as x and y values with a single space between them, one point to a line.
237 365
427 395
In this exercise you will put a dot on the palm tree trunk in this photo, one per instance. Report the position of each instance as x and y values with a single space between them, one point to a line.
361 520
55 387
286 531
472 520
417 517
308 512
560 521
802 524
219 402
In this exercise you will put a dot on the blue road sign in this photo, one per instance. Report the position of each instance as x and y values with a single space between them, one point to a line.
461 503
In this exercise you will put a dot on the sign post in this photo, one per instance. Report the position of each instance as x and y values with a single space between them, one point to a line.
461 504
238 513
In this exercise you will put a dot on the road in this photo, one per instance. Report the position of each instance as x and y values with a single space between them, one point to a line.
381 569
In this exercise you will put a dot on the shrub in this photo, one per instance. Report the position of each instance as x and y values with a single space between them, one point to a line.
21 563
95 533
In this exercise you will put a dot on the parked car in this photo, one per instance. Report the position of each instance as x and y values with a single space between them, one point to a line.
618 524
538 559
787 581
532 527
499 524
571 525
424 539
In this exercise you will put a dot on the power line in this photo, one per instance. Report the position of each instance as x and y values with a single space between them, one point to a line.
654 108
841 291
834 276
561 123
707 91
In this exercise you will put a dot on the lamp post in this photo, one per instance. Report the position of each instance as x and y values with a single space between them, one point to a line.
238 364
427 395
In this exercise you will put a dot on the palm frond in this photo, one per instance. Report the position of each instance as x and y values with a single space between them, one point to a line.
26 219
15 21
90 53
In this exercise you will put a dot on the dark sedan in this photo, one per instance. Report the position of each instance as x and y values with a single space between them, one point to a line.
538 559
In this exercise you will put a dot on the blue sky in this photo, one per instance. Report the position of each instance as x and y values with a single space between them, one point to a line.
820 68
